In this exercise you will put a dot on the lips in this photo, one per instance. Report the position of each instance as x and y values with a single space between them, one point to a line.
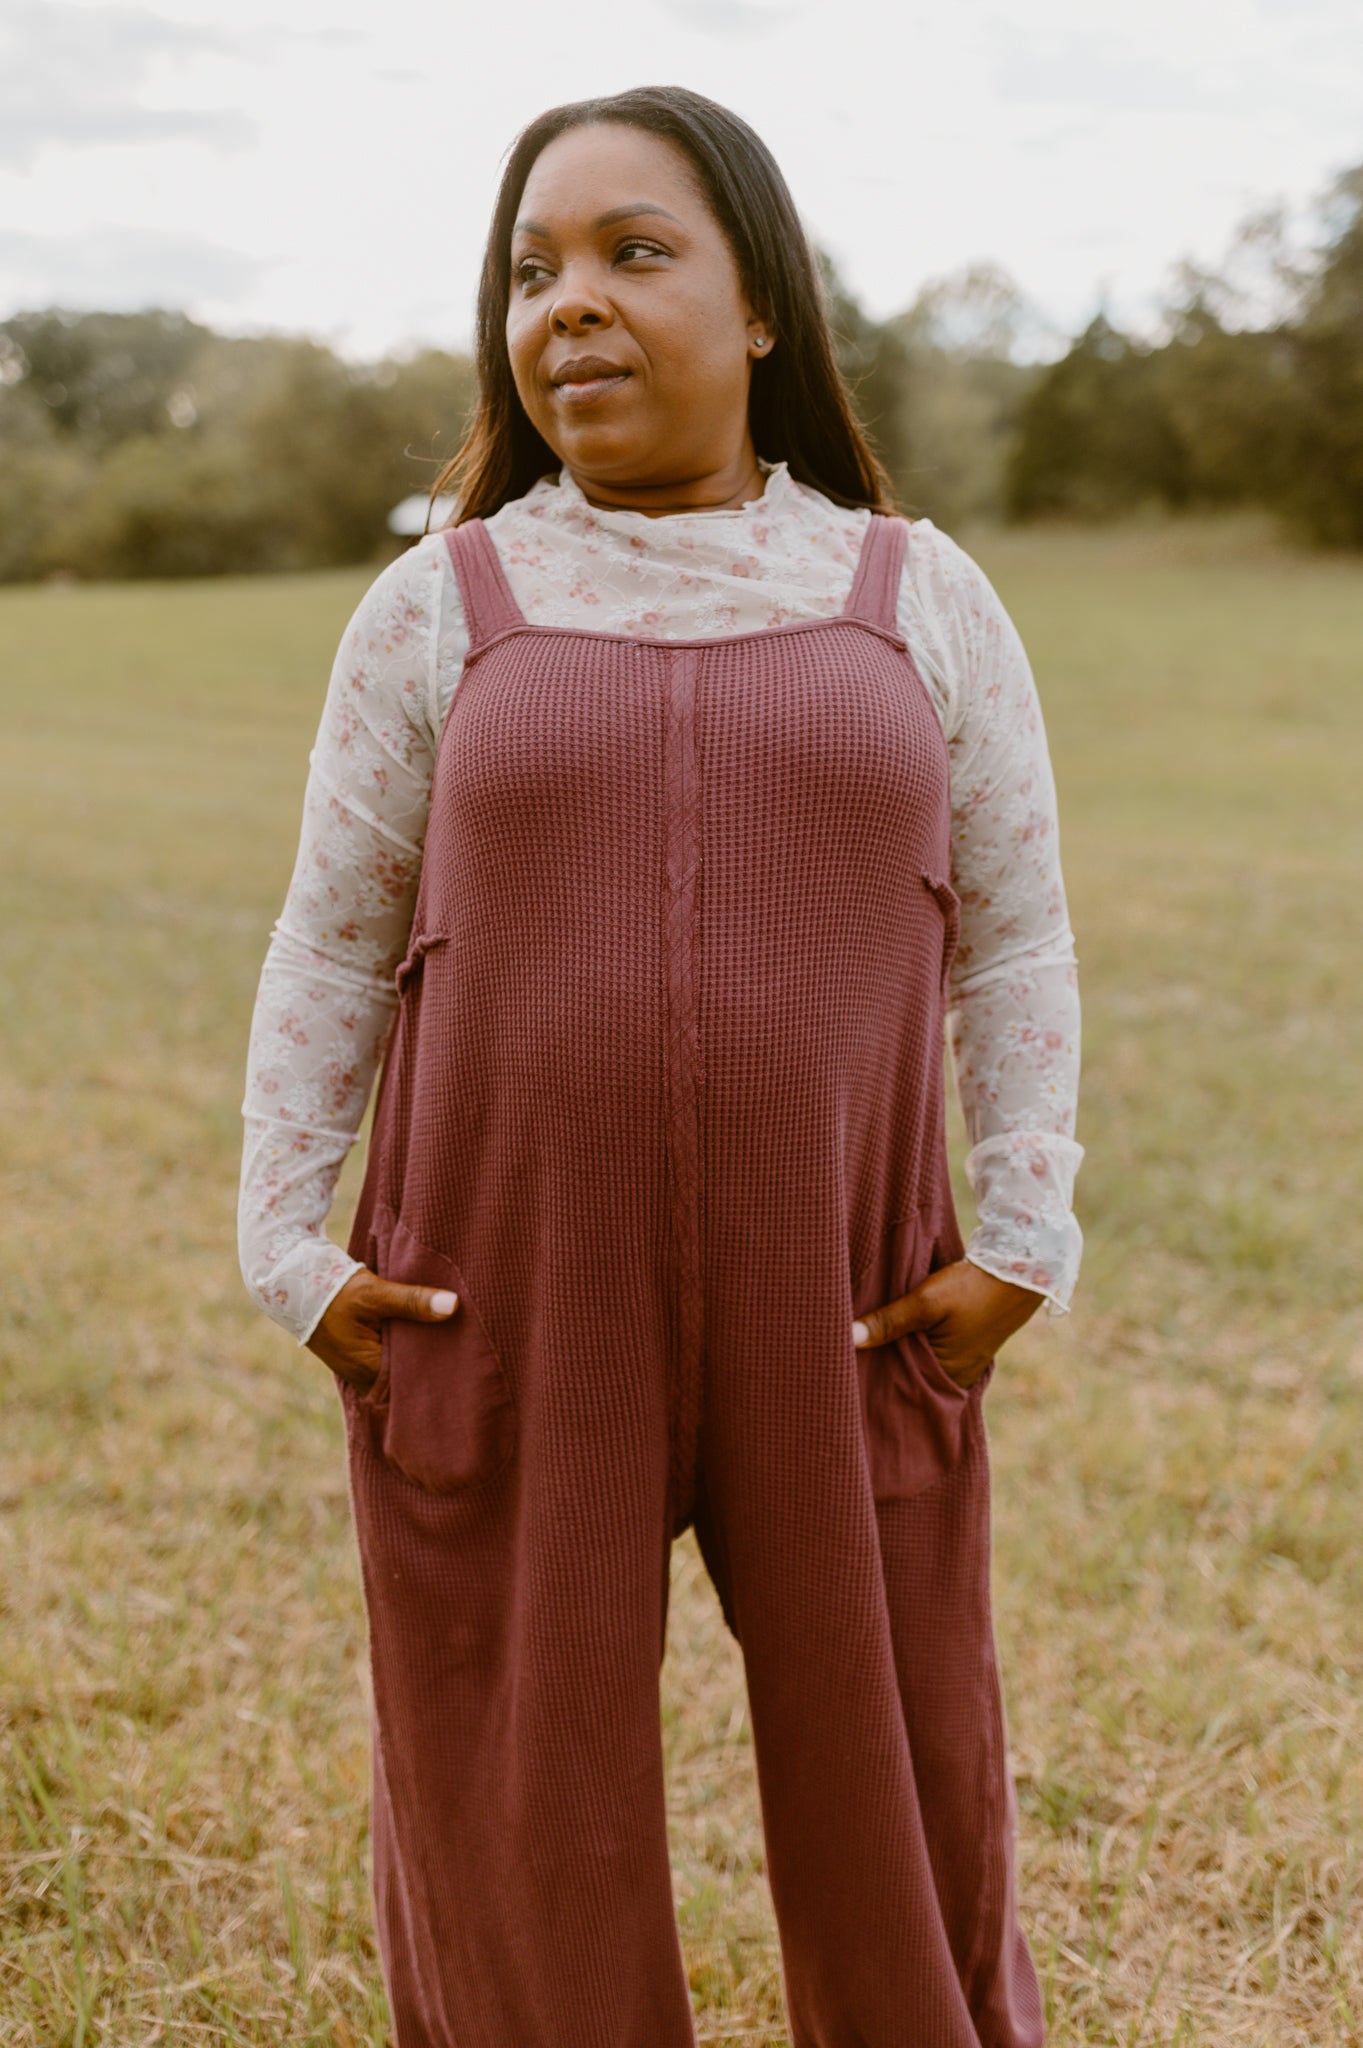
583 379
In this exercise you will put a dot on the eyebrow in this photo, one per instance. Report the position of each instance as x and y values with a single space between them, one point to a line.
603 220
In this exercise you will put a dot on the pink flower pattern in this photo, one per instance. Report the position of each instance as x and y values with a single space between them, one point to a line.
325 1001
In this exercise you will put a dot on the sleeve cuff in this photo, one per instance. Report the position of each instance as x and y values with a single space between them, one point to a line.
324 1300
296 1288
1055 1305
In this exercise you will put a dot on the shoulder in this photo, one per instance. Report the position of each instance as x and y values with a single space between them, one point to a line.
956 626
405 600
947 594
939 586
403 645
942 573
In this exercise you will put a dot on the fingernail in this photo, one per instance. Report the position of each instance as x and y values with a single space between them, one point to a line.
444 1303
859 1333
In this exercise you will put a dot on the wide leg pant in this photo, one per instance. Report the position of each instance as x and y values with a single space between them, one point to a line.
520 1852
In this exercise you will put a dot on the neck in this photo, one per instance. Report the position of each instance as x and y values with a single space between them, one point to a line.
719 490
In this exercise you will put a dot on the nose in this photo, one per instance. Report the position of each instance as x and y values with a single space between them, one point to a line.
578 305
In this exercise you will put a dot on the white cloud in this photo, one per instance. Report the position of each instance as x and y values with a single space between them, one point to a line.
1087 70
738 18
123 269
76 75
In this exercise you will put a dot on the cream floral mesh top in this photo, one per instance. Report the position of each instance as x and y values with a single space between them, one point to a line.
326 997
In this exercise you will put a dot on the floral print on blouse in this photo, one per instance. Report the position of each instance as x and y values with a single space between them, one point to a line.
326 998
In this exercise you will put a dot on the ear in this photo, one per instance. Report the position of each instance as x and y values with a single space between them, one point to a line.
761 338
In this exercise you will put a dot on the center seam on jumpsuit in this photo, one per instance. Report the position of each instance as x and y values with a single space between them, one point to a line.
685 1076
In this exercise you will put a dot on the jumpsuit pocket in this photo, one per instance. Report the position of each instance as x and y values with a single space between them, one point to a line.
949 903
916 1418
441 1410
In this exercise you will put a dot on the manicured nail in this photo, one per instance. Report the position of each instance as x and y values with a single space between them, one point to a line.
859 1333
444 1303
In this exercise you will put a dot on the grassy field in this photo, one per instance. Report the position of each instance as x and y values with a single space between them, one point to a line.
1178 1566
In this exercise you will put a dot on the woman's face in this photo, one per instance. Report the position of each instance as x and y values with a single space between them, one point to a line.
616 256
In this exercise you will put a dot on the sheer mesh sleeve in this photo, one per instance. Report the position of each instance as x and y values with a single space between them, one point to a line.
325 1000
1014 1020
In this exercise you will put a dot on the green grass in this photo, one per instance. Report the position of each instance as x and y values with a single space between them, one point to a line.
1178 1573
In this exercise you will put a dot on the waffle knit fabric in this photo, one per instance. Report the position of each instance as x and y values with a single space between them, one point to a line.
664 1105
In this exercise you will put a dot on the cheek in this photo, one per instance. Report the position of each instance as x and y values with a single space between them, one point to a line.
522 354
691 353
516 345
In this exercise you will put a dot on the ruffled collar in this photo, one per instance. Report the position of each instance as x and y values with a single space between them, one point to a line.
564 494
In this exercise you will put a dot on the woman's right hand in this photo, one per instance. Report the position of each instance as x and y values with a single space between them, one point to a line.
349 1335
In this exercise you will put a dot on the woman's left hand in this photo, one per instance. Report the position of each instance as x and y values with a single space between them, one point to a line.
965 1313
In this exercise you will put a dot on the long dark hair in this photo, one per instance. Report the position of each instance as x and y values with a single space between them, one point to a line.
799 410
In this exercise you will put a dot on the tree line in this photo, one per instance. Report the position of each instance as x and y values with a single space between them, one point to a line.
1253 395
146 444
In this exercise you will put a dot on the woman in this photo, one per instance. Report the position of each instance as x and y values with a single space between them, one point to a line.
667 805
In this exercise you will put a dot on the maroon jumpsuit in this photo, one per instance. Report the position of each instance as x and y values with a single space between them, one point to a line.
663 1104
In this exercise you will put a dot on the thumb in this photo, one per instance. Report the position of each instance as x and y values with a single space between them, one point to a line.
896 1319
415 1304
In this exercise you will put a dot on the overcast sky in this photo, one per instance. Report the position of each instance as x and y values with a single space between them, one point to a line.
327 166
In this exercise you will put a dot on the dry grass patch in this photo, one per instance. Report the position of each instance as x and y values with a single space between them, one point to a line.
1177 1578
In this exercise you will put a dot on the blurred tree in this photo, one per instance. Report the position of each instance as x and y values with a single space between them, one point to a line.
1255 396
340 443
431 394
153 508
102 376
964 390
874 361
1232 398
1328 479
1096 436
147 445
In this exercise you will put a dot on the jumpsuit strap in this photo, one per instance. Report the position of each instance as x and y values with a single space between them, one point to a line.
489 607
874 596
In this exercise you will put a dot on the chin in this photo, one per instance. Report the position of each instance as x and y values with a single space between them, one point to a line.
611 457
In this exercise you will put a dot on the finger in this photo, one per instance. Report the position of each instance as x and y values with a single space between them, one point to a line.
965 1373
360 1377
416 1304
355 1357
895 1319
